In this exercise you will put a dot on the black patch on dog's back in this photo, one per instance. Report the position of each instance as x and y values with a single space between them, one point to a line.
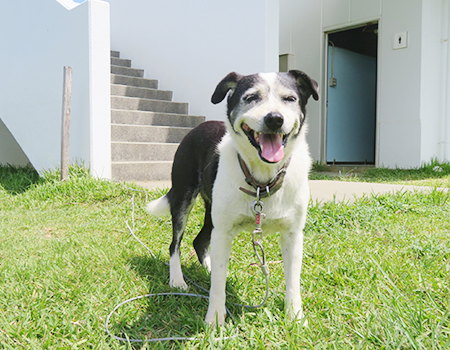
196 160
194 171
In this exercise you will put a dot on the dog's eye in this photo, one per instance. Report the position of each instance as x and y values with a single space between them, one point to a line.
289 98
251 97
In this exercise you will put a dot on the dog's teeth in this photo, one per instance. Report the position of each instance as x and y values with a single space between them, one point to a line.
257 136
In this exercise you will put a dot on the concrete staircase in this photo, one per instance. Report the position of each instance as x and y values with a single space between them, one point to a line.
146 126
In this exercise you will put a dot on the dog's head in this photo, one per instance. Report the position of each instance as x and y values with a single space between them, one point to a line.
266 110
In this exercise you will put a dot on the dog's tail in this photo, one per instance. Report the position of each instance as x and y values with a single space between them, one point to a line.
159 207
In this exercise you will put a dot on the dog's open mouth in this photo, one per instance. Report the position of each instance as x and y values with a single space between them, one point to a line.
270 146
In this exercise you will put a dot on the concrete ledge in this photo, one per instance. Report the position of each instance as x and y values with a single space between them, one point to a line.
122 116
120 62
140 92
146 151
143 104
141 171
134 81
147 133
132 72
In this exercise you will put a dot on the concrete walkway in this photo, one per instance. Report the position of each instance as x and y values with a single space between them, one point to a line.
325 190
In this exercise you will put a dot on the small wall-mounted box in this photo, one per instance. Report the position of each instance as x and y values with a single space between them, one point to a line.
400 41
286 62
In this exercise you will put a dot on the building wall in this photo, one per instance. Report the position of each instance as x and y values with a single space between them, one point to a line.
43 37
434 79
189 46
301 35
410 99
399 125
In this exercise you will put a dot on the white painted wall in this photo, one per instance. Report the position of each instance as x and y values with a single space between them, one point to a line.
399 118
99 88
445 83
434 79
412 111
189 46
43 36
301 35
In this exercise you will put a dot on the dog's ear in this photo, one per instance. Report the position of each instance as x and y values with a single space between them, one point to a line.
228 83
305 84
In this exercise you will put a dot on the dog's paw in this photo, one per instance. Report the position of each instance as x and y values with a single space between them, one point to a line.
207 263
298 316
214 318
178 283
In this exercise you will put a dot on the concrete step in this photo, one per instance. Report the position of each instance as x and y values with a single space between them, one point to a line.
120 62
143 104
141 171
146 126
120 116
145 133
132 91
132 72
134 81
142 151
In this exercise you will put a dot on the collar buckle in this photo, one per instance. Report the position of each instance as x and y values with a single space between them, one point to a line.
263 190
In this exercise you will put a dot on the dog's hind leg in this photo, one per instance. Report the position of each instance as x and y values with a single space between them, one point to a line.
221 243
180 207
203 239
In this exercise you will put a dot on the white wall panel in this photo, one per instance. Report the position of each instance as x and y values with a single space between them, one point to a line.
364 9
433 79
335 12
410 80
399 89
45 37
189 46
401 144
305 42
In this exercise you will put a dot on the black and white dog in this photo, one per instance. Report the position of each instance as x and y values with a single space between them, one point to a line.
260 148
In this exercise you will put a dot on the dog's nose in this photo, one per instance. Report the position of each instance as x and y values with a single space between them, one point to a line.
274 121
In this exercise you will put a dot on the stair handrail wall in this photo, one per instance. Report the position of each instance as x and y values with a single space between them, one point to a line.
43 37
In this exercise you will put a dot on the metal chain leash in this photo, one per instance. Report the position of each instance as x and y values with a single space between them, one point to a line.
257 207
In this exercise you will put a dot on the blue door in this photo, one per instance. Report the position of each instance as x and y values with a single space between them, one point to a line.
351 112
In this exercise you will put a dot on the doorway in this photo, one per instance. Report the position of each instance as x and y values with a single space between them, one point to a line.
352 95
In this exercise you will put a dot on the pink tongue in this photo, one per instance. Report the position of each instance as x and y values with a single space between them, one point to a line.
272 147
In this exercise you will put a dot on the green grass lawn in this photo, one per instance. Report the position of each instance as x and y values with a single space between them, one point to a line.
376 273
432 174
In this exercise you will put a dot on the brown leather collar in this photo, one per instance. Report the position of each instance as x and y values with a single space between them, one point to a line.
265 189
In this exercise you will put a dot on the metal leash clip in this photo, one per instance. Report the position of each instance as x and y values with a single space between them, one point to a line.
257 207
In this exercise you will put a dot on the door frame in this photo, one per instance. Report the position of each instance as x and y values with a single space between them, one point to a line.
324 80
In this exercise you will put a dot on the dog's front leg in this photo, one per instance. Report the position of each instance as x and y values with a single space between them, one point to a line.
292 250
220 254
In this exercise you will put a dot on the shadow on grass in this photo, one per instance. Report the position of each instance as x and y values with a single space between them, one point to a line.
169 315
16 180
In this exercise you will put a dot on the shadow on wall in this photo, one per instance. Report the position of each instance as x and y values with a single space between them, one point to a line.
10 150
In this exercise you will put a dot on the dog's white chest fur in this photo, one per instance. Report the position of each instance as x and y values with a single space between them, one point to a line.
232 208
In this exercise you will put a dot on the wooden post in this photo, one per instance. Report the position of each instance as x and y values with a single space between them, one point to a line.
65 124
